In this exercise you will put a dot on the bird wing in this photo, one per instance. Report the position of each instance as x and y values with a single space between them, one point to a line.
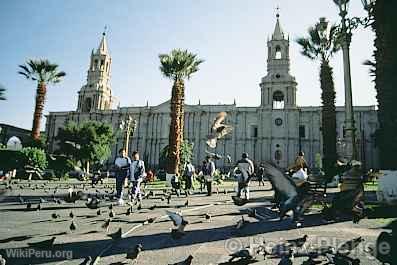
348 246
226 129
281 183
175 217
218 120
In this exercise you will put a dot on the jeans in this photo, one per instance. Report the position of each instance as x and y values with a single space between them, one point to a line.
120 177
243 187
136 190
209 187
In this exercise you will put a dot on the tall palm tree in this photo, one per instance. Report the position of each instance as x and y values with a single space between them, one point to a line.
384 70
177 66
322 44
44 73
2 90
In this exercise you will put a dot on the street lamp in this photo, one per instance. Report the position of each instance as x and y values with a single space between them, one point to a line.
128 127
345 34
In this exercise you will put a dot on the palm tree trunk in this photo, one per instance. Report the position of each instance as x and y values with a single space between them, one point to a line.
176 127
38 111
328 118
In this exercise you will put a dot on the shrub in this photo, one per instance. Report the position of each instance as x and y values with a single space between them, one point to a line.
34 157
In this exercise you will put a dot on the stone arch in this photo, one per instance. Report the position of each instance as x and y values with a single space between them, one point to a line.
278 54
278 100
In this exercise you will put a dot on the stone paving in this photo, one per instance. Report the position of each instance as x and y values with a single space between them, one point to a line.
209 242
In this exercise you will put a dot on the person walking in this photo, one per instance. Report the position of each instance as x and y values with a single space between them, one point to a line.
136 177
188 175
246 168
208 173
122 164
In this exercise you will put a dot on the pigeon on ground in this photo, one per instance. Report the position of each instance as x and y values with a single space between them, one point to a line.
218 130
129 211
111 207
241 223
38 207
116 235
55 216
139 207
151 220
169 198
298 242
208 217
43 244
71 215
252 213
187 203
92 203
287 259
106 224
180 224
247 253
187 261
340 259
111 214
72 226
152 207
87 261
29 206
348 246
133 253
98 212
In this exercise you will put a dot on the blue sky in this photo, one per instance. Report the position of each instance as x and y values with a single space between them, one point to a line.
229 34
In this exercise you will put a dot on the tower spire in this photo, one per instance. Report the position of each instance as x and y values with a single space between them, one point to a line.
278 32
103 47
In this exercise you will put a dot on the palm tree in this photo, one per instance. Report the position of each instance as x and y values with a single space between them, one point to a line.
2 90
322 44
177 66
44 73
384 70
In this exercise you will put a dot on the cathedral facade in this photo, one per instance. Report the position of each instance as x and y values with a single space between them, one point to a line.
274 131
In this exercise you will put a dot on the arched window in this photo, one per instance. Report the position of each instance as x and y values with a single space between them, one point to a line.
278 100
278 53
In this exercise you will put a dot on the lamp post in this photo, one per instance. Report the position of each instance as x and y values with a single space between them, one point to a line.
128 127
346 35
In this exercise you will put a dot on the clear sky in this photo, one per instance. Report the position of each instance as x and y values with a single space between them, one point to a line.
229 34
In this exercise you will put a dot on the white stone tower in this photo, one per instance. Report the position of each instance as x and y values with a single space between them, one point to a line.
97 94
278 86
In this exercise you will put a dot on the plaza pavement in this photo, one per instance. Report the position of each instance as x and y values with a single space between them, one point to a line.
209 242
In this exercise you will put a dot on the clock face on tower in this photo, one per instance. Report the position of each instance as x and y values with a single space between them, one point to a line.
278 121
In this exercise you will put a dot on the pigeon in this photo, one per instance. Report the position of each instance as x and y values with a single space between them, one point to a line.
180 224
129 211
38 207
43 244
348 246
116 235
55 216
187 261
72 226
151 220
162 198
169 198
187 203
340 259
286 259
208 217
133 253
111 214
247 253
224 191
298 242
29 206
71 215
218 130
92 203
139 207
106 225
111 207
240 224
98 212
252 213
152 207
87 261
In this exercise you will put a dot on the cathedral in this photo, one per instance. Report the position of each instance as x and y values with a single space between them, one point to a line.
274 131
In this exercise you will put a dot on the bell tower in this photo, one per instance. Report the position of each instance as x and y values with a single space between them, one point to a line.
278 87
96 94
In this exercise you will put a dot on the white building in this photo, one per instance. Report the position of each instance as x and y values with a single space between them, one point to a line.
274 131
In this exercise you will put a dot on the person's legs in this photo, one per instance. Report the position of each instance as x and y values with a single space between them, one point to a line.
119 186
239 188
247 191
209 188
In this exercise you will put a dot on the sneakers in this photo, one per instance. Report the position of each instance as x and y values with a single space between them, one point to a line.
120 202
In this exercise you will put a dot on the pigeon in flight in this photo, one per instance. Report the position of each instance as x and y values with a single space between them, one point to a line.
218 130
180 224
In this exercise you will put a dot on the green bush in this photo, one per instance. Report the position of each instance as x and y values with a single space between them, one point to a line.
61 165
34 157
